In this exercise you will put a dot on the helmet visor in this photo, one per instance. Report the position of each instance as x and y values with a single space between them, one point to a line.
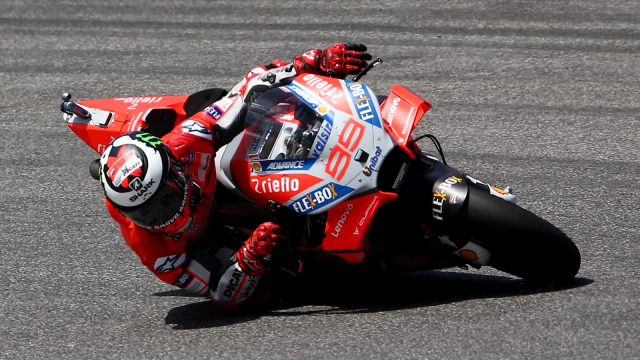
165 206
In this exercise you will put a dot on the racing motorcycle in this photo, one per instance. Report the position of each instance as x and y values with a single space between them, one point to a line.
341 167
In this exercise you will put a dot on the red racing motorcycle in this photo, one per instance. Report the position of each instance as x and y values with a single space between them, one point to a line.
341 167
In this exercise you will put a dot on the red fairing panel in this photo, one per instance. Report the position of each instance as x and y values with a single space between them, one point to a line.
402 110
120 115
348 225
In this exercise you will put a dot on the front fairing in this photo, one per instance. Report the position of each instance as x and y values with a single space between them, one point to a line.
308 145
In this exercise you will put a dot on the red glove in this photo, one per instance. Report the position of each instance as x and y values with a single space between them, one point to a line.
258 247
338 60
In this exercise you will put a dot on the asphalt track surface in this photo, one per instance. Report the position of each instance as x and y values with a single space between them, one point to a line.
540 95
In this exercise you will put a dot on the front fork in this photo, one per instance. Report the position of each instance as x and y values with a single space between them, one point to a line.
447 197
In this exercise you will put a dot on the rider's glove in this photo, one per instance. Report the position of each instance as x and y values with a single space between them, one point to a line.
338 60
257 248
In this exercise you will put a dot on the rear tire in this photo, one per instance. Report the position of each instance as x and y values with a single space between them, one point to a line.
520 242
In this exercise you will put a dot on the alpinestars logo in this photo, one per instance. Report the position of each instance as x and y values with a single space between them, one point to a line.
168 263
197 129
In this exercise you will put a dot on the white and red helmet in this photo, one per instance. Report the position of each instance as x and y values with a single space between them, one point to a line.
142 180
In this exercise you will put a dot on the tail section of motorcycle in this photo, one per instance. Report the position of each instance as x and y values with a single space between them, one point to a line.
99 121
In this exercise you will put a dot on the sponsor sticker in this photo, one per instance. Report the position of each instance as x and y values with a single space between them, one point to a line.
320 197
363 103
448 195
280 165
168 263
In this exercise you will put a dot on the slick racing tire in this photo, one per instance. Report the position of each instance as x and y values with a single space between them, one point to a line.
520 242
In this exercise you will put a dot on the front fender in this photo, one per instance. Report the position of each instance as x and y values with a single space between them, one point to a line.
449 193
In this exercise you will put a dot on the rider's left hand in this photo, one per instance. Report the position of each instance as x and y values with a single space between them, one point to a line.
338 60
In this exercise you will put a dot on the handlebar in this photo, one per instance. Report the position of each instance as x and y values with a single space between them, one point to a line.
71 108
364 71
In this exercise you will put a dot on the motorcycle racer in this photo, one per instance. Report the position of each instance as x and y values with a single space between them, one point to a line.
162 191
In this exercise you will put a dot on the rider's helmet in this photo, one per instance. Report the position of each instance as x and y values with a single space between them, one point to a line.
141 178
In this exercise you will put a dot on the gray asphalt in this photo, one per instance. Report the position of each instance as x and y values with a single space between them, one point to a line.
543 96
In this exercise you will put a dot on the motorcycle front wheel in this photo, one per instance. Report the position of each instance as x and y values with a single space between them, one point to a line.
521 243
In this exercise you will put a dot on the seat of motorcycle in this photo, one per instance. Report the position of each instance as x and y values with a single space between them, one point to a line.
160 121
201 99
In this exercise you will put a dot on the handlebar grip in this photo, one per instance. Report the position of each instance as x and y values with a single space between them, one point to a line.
72 108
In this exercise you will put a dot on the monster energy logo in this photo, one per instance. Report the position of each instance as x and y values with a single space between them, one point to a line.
153 141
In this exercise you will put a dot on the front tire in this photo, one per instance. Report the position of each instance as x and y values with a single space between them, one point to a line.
520 242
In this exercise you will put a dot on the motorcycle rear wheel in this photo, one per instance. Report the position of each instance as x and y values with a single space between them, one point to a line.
520 242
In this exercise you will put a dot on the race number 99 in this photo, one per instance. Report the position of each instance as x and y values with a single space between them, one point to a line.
340 156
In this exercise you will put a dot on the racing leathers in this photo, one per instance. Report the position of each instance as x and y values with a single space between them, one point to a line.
186 258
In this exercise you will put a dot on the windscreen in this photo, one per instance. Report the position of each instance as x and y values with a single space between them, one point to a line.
283 126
